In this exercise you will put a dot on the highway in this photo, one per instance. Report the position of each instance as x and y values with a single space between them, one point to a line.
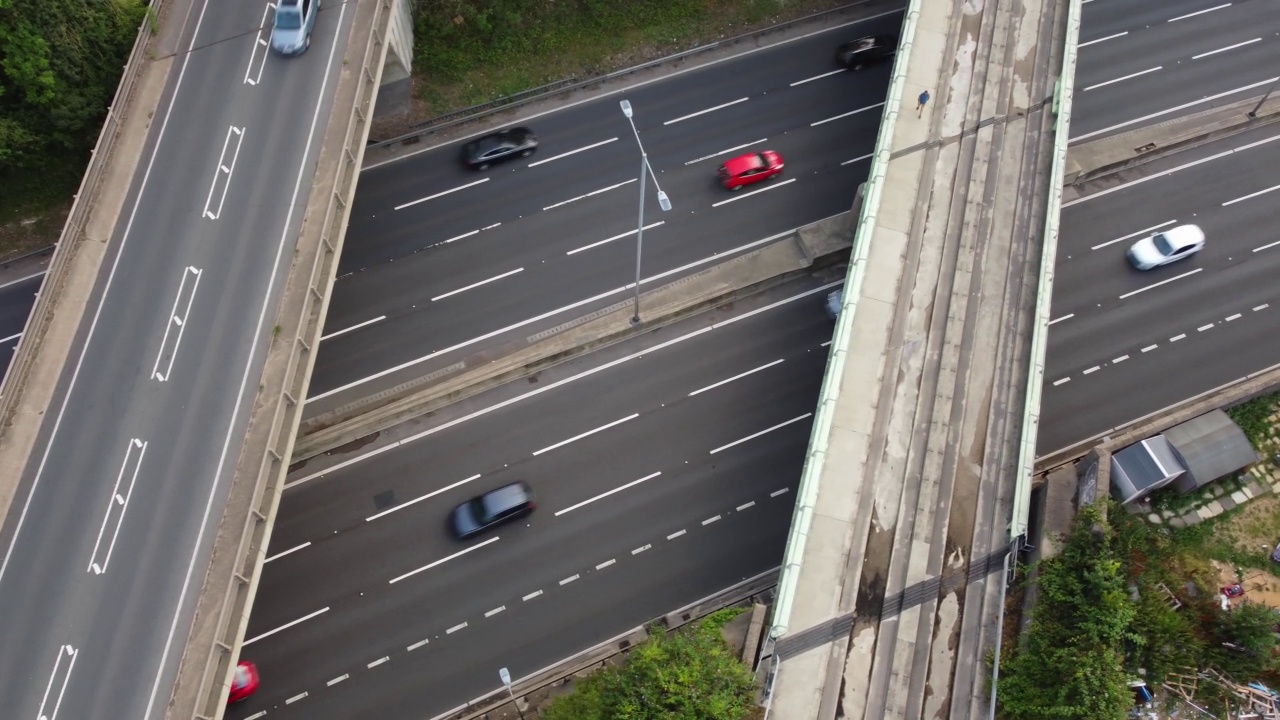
1143 62
1125 343
441 262
663 467
111 528
16 298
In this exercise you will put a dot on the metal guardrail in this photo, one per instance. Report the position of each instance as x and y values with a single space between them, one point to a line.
510 102
1040 332
59 267
234 614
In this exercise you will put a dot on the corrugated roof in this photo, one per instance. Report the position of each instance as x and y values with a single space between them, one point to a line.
1211 446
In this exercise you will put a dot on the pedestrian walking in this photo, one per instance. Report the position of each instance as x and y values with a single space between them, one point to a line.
920 102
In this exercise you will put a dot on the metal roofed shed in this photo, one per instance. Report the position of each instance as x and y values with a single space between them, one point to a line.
1211 446
1188 456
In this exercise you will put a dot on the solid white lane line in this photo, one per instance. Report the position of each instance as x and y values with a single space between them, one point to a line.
1056 383
420 498
545 388
418 644
641 549
1251 195
1202 328
824 344
845 115
619 489
442 194
1064 317
708 110
378 662
337 680
1139 181
286 552
569 579
735 377
605 564
473 286
285 626
296 698
531 595
380 318
1199 12
18 335
572 152
1149 348
1229 47
495 611
818 77
1176 338
710 520
1268 245
590 194
1162 282
1256 143
455 628
598 243
1126 77
1109 37
1093 369
736 147
739 196
1237 316
22 279
776 493
446 559
711 258
1120 359
1144 231
860 158
762 432
675 534
744 506
1178 108
588 433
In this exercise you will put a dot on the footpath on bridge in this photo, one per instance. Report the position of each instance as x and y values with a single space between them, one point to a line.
892 589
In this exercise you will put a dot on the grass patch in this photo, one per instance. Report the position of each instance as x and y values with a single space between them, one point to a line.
474 52
1252 417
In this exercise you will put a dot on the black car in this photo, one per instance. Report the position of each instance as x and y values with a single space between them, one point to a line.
480 153
866 50
495 507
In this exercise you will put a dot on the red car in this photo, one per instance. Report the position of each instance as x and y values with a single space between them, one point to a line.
750 169
244 683
1233 591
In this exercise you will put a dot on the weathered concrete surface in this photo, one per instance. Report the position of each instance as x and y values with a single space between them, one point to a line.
899 588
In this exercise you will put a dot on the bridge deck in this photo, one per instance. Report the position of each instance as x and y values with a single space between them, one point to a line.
899 588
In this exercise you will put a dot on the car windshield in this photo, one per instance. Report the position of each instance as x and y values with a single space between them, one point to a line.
1162 244
288 19
242 677
483 512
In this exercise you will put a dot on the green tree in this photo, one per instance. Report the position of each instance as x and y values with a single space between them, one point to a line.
676 676
1072 663
1245 639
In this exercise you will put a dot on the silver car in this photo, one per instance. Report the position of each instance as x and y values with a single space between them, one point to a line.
1166 247
291 29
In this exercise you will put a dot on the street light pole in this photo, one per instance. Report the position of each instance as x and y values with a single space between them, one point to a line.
663 201
1254 112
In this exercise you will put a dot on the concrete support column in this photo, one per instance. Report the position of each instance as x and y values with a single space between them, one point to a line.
395 93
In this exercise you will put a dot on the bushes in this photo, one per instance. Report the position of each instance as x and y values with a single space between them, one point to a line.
1252 417
676 676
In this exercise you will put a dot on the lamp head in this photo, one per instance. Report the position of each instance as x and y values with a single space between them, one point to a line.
626 107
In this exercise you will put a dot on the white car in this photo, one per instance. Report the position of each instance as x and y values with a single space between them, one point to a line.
1166 247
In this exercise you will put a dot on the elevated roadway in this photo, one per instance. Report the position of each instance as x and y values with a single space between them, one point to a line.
914 486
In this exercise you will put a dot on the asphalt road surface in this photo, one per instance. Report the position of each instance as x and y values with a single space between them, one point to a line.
1124 344
1144 62
441 262
16 298
108 533
661 479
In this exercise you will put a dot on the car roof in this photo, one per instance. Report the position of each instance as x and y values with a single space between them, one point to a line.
505 497
742 163
1184 235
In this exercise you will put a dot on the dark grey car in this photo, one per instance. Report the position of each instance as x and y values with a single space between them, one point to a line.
483 152
866 51
509 502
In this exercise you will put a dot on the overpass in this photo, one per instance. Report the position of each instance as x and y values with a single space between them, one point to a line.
961 123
